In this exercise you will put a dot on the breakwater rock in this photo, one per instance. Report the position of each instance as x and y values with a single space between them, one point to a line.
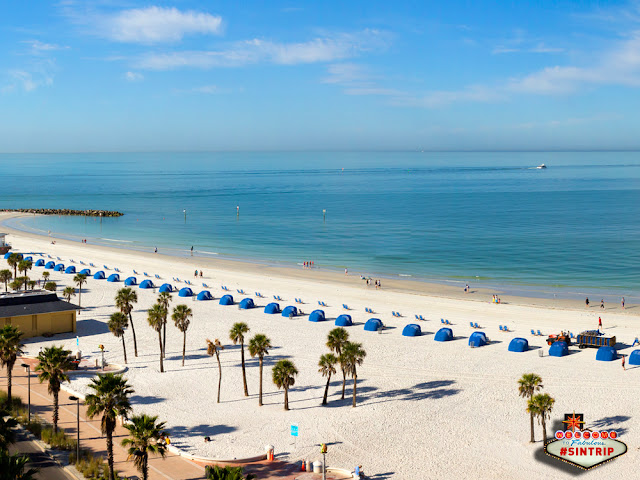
66 211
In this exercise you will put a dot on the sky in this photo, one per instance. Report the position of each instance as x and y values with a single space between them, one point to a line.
109 75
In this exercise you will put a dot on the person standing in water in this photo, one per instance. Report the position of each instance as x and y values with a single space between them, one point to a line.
586 302
622 302
192 250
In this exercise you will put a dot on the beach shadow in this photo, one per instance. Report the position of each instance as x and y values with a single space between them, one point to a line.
436 389
381 476
622 346
146 399
610 422
566 468
202 431
458 337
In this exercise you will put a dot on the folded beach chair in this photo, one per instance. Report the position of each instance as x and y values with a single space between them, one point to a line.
422 318
636 341
82 263
146 274
442 320
417 317
59 258
476 325
136 272
502 329
258 294
448 322
71 260
472 326
105 267
539 333
205 285
346 307
533 332
224 288
90 264
157 276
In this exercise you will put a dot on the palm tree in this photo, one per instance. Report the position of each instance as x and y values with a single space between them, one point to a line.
353 355
69 292
45 276
10 348
32 284
53 363
284 373
527 386
5 276
7 429
125 298
181 318
16 284
215 472
111 399
237 333
50 286
117 324
14 261
155 318
213 348
337 339
259 346
164 299
23 267
146 436
327 368
541 405
13 467
79 280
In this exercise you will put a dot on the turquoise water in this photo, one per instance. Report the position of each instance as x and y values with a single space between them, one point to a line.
486 217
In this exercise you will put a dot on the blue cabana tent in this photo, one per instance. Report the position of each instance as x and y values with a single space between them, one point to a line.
166 287
247 303
373 325
185 292
412 330
226 300
70 269
443 335
317 316
290 311
50 265
8 254
114 277
39 263
272 308
519 345
204 295
634 358
146 284
99 275
477 339
59 267
131 281
85 271
344 321
558 349
606 354
28 259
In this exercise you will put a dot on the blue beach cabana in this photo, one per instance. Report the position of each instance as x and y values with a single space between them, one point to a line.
634 358
412 330
185 292
606 354
477 339
28 259
247 304
86 272
519 345
373 325
99 275
272 308
39 263
70 269
166 287
131 281
290 311
50 265
204 295
226 300
558 349
443 335
59 267
146 284
344 321
317 316
8 254
114 277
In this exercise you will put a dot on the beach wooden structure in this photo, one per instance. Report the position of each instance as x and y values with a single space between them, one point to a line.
37 313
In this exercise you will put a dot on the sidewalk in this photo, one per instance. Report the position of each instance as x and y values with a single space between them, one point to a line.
173 467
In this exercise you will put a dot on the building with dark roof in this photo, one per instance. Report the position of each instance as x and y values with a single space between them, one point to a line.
37 313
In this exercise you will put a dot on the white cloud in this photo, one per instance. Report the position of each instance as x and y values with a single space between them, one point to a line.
27 81
133 77
157 25
38 47
435 99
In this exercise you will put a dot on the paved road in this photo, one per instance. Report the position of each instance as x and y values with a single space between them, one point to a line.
49 469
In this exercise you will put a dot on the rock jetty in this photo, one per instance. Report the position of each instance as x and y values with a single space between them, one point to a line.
66 211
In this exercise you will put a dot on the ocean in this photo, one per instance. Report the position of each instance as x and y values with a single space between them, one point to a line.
486 217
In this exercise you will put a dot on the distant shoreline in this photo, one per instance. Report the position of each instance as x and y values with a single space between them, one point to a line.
65 211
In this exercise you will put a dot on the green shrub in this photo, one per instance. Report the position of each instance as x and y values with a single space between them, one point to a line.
59 440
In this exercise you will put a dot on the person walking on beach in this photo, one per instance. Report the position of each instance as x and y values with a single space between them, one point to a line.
200 273
599 323
192 250
622 302
623 367
156 250
586 302
346 271
196 274
602 303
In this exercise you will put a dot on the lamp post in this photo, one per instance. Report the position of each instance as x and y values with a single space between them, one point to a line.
323 450
28 367
72 397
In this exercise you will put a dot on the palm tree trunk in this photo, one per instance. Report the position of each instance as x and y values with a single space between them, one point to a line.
145 466
532 435
80 295
260 394
110 453
344 382
326 391
286 398
544 428
9 384
244 374
164 339
160 342
355 385
55 411
124 349
184 344
219 375
133 330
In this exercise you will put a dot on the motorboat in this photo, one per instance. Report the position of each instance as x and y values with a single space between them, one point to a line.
541 166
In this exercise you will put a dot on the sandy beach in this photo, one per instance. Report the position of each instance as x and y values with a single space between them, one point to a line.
425 409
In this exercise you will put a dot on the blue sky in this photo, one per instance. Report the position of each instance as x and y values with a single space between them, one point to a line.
185 75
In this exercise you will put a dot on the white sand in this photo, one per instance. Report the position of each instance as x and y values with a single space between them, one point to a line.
423 406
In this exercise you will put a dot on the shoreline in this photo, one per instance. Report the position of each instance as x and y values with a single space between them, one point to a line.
512 294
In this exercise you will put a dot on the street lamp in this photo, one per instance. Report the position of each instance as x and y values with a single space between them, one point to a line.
72 397
323 450
28 367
